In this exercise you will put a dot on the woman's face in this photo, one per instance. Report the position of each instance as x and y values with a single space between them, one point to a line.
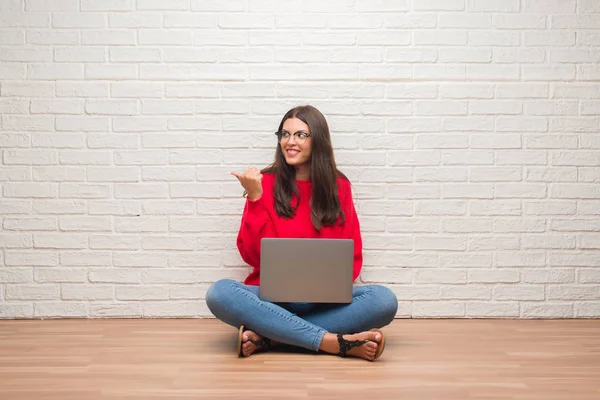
296 150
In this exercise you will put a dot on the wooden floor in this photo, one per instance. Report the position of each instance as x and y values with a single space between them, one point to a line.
195 359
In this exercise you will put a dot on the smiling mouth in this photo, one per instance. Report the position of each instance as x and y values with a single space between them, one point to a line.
292 153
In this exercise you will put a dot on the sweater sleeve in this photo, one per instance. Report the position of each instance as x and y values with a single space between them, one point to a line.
352 229
256 224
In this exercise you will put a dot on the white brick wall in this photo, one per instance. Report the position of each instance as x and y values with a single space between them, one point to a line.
470 130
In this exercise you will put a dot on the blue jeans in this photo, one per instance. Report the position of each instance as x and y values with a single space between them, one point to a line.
300 324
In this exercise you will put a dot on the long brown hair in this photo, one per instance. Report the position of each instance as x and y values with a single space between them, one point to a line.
325 202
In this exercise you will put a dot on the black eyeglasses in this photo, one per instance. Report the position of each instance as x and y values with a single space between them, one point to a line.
284 136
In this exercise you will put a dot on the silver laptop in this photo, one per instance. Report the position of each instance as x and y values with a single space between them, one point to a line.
306 270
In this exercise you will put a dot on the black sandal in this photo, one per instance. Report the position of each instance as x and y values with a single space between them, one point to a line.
346 345
262 344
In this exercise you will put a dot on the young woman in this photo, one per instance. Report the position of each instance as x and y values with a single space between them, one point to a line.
302 194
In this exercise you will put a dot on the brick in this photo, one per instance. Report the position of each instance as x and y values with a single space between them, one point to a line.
496 242
59 241
115 275
59 174
548 241
511 190
139 292
547 275
113 174
337 6
77 20
81 89
115 242
551 174
520 21
438 309
140 224
162 5
495 174
140 190
585 6
141 157
168 243
30 190
412 225
573 259
587 309
110 71
53 37
15 174
15 241
588 241
536 310
512 55
466 225
85 258
471 124
462 260
504 292
466 292
84 190
85 124
184 20
12 36
135 260
502 309
170 308
28 123
81 224
183 292
554 73
116 310
16 275
549 6
73 291
467 190
112 141
495 108
15 310
59 206
112 107
32 292
49 309
549 207
550 141
15 207
520 259
24 55
77 157
14 140
29 224
493 6
575 191
137 90
165 37
169 207
46 71
107 5
108 37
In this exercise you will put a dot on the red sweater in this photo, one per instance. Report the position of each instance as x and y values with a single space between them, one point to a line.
259 220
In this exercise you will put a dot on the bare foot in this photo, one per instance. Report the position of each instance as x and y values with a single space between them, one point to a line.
252 341
366 351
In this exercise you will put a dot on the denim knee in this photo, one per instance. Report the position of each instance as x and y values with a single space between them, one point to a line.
216 295
387 303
